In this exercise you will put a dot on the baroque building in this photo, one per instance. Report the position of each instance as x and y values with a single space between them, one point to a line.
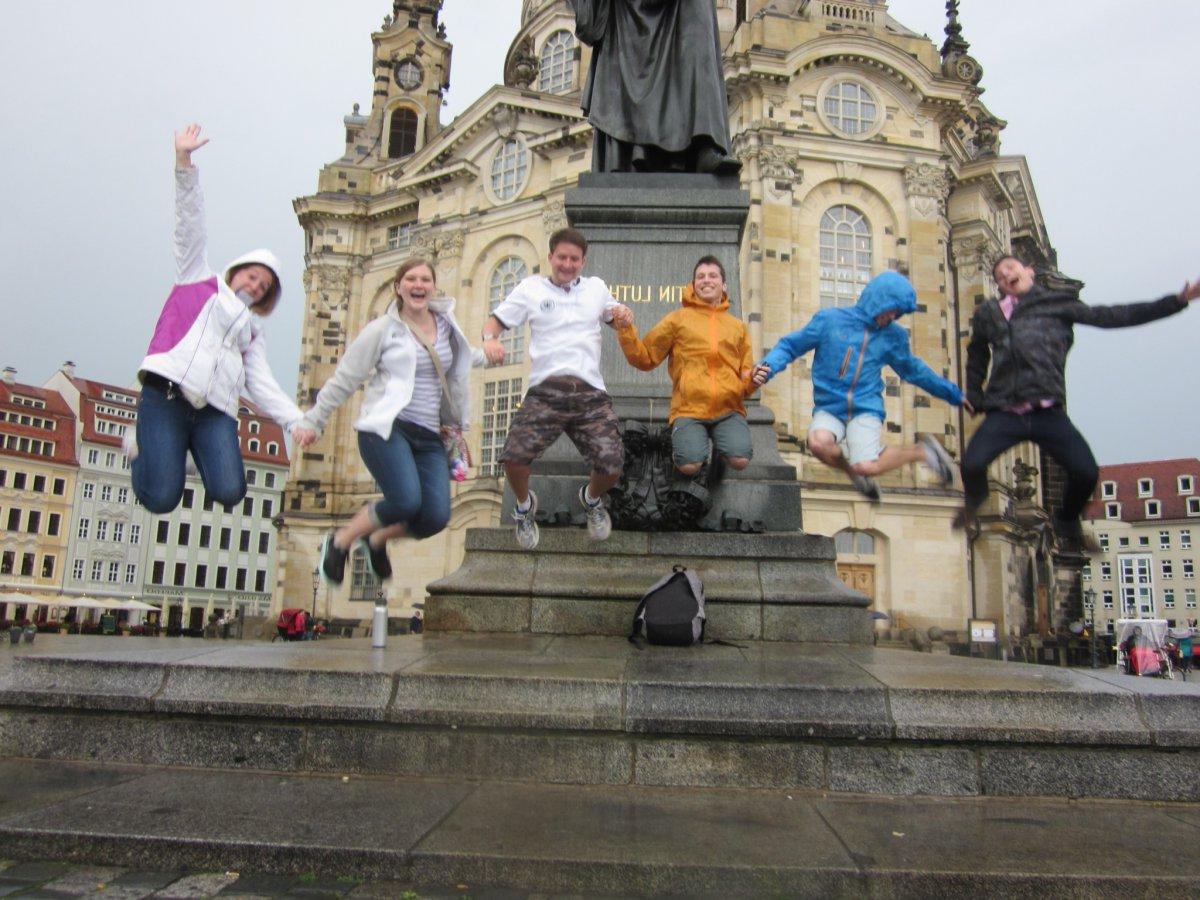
864 147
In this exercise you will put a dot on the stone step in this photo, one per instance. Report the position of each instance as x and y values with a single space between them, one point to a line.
602 712
628 841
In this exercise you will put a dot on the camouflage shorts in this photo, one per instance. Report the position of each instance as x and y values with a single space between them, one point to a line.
563 404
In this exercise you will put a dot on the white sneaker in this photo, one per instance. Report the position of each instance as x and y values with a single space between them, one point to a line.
938 460
129 445
527 529
599 523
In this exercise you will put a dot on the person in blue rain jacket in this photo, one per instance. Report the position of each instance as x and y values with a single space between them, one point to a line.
851 346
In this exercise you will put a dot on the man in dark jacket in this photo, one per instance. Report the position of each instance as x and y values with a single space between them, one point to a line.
1026 335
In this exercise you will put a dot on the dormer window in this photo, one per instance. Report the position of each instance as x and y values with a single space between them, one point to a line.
1145 487
1186 484
1108 490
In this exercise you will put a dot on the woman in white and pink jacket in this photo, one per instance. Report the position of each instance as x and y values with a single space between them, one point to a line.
206 350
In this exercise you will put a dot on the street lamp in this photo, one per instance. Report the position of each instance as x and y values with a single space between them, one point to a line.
316 581
1090 597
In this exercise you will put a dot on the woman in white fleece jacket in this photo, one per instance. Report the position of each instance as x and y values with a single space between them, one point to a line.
206 349
403 410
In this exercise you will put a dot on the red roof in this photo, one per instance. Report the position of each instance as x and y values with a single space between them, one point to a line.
48 419
1164 477
264 433
97 403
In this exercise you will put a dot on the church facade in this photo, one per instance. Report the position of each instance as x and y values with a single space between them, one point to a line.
864 147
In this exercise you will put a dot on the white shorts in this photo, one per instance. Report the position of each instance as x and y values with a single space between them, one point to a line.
861 439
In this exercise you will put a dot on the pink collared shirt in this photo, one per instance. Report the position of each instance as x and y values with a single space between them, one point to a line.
1007 305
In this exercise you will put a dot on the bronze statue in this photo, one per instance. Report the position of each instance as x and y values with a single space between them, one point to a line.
655 93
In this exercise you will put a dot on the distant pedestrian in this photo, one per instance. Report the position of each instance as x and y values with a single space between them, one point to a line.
416 624
207 349
1019 345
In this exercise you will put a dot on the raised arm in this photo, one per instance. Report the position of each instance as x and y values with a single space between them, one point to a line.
792 345
356 364
191 262
915 371
1126 315
265 390
646 354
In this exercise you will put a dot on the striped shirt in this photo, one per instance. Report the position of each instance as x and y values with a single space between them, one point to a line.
425 407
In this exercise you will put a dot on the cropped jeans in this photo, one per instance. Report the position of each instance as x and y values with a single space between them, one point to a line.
168 427
413 473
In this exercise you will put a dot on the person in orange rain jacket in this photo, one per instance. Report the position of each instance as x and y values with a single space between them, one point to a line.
710 367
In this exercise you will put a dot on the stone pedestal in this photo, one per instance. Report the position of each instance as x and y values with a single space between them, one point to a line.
772 587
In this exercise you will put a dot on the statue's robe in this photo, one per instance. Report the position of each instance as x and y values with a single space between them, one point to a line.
655 87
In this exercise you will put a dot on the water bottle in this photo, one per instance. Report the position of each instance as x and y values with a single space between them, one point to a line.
379 626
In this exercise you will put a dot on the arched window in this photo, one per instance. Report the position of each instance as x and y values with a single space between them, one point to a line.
845 255
556 71
402 136
254 426
509 168
852 541
504 278
272 449
253 446
850 108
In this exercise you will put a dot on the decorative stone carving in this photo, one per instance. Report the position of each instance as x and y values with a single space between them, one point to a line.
987 135
522 66
554 216
927 187
439 246
505 120
331 284
973 256
1024 486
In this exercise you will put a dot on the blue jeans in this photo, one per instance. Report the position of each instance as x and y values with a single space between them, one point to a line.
412 471
167 428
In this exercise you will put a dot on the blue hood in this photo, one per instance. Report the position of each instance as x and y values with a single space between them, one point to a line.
884 292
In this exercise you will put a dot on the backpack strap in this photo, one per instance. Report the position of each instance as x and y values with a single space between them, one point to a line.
437 367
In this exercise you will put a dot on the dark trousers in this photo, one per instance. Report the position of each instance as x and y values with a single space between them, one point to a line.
1050 429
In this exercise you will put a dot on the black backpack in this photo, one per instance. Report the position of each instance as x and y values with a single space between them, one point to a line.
672 612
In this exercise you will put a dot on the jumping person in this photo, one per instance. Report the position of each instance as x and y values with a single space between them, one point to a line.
566 391
852 346
710 363
207 348
419 363
1024 337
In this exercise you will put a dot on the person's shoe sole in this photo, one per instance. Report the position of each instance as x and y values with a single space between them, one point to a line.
946 465
533 530
327 547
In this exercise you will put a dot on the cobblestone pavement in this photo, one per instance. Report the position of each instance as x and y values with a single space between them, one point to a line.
49 879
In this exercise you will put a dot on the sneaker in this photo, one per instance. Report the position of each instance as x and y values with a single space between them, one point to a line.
129 445
377 559
599 523
938 460
527 529
963 519
866 486
333 561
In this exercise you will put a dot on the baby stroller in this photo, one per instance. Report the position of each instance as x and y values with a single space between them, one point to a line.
1142 647
292 625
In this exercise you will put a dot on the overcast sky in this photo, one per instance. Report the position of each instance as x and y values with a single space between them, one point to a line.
1099 96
